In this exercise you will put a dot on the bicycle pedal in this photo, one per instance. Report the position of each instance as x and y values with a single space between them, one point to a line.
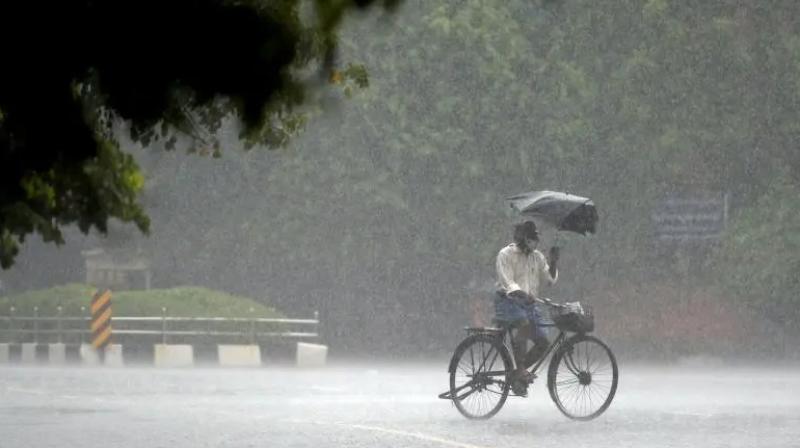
520 386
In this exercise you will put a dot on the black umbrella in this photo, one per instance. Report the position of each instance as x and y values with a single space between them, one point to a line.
564 211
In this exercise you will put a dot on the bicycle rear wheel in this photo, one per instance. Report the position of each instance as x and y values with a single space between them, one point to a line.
582 378
478 371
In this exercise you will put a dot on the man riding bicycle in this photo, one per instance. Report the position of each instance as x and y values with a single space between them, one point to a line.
521 268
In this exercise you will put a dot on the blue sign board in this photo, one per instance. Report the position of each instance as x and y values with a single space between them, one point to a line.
691 218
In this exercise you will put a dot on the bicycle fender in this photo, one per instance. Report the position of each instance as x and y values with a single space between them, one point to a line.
453 359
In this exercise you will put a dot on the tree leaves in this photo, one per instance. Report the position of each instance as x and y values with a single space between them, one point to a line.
760 257
169 69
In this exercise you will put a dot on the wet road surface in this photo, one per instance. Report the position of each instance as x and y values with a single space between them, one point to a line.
383 406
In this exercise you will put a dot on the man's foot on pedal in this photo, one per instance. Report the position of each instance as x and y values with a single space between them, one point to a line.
519 388
520 380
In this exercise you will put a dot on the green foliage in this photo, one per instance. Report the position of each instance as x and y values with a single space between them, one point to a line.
87 194
401 193
166 69
760 258
182 302
392 202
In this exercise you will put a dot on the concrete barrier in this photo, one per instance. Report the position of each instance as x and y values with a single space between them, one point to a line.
28 353
169 355
239 355
112 356
311 355
88 355
57 354
5 354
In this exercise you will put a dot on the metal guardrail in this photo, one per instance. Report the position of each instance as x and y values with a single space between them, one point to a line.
251 328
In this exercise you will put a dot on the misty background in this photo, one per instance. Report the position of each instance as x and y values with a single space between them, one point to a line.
386 213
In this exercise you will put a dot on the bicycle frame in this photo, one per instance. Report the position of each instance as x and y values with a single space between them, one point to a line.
550 349
508 343
506 340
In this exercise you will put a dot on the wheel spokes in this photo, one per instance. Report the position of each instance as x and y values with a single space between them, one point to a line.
584 379
481 392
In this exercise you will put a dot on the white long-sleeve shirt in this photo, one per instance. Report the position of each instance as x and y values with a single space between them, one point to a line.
519 271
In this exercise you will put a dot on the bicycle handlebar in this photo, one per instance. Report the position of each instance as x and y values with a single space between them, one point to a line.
549 302
545 301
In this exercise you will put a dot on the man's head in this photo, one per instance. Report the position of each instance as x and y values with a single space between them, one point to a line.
526 236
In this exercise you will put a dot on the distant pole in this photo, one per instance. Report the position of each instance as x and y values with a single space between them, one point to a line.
100 322
36 324
12 335
164 325
252 326
59 325
83 317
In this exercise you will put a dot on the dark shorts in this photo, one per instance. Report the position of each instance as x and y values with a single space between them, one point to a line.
510 311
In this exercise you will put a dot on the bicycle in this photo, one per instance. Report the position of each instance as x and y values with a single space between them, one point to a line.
582 375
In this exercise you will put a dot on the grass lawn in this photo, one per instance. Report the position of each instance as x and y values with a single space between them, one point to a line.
187 301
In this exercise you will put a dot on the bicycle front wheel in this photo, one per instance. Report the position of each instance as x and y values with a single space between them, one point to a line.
582 378
478 371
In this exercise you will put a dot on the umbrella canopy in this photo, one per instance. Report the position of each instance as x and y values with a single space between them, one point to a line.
564 211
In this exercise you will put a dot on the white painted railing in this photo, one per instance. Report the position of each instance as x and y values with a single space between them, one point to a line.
38 328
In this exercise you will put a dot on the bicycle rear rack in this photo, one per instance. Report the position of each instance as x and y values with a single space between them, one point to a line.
492 331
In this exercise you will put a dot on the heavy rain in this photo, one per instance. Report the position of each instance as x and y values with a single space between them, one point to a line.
350 223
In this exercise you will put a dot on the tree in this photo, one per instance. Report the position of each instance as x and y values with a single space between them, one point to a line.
624 103
760 258
71 68
393 205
